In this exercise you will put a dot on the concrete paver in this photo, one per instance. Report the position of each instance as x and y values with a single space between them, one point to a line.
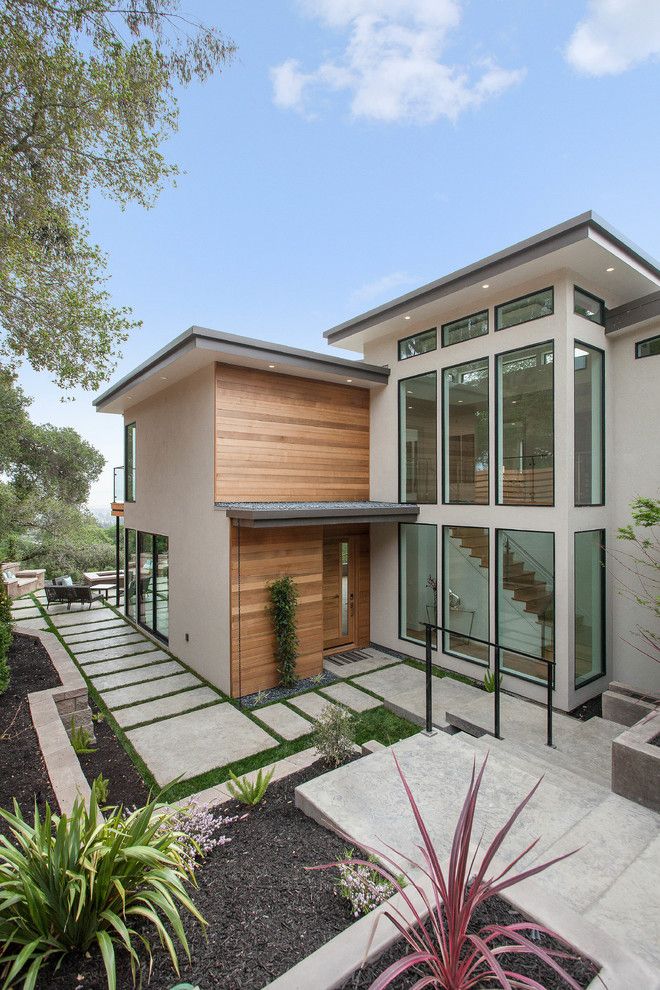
95 630
141 661
176 704
187 745
122 678
130 649
311 704
284 721
352 697
137 693
107 643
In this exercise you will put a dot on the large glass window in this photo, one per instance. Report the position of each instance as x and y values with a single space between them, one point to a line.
146 578
647 348
466 328
130 579
162 578
525 600
418 343
589 566
418 451
589 425
590 307
525 426
418 580
525 309
129 462
465 603
465 432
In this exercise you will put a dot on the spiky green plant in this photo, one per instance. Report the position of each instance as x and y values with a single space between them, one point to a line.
102 787
81 739
489 681
79 883
250 791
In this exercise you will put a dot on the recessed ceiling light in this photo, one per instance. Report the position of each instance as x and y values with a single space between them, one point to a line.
349 380
271 365
164 378
407 317
486 285
460 401
409 407
610 269
513 402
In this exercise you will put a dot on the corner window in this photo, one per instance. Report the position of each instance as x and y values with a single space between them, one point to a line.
465 328
129 462
418 343
590 307
418 580
589 599
465 602
526 601
648 348
465 431
526 308
589 424
525 426
418 450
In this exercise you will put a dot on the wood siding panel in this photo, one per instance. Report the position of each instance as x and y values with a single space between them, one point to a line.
286 439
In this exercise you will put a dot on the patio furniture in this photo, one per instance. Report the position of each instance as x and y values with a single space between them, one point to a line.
21 582
105 589
95 578
72 594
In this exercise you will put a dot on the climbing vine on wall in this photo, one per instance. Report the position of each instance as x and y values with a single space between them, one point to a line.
282 610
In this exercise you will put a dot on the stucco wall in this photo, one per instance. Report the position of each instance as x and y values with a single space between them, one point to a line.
174 497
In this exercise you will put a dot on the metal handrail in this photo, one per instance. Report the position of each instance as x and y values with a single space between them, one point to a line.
551 664
509 540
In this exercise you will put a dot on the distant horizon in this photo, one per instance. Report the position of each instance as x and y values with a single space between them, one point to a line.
356 150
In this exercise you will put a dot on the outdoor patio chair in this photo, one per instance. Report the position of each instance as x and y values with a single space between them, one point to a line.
72 594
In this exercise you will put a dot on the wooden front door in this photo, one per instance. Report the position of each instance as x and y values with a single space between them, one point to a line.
339 591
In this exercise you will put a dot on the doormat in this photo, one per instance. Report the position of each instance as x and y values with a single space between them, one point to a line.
351 657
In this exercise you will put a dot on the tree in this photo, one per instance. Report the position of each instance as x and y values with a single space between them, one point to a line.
87 98
639 570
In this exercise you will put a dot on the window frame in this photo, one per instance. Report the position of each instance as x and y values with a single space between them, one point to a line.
603 445
500 646
526 295
127 530
443 435
419 333
603 604
422 374
597 299
450 653
647 340
130 426
135 619
460 319
407 639
536 505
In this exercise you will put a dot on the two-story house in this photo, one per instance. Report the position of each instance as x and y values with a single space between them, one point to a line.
471 470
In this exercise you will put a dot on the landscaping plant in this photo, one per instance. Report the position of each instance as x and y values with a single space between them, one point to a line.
282 610
5 637
196 827
334 735
444 949
102 788
249 791
81 739
362 886
75 883
489 681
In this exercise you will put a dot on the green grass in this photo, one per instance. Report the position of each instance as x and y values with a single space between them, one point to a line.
441 672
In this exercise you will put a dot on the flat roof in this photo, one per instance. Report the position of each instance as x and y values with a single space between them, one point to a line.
199 346
270 514
584 226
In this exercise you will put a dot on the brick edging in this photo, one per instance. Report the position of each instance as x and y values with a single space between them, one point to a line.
53 711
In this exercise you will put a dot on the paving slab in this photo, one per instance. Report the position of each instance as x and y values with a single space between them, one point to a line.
107 643
284 721
311 704
187 745
141 661
95 630
147 690
176 704
25 613
20 603
110 653
31 624
82 617
352 697
122 678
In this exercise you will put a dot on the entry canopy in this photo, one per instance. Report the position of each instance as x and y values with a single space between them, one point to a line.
270 514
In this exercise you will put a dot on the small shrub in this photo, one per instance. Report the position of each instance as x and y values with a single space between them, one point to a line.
5 604
5 637
98 717
282 610
250 791
489 681
81 739
334 735
75 883
196 825
260 698
102 785
363 887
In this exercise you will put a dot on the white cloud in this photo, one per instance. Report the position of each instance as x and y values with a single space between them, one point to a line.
391 64
614 36
374 291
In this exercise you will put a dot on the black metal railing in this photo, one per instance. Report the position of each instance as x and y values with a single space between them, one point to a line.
497 664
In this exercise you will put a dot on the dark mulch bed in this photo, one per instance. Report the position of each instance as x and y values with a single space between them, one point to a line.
22 770
265 911
590 709
281 693
495 912
126 786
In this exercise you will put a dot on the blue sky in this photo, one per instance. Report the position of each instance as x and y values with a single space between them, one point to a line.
358 148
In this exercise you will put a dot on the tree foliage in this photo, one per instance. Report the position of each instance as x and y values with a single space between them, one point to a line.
638 570
88 96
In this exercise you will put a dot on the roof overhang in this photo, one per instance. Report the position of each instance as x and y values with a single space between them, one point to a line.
633 313
199 347
586 245
266 515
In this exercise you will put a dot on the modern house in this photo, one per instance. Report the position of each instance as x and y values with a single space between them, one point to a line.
471 470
